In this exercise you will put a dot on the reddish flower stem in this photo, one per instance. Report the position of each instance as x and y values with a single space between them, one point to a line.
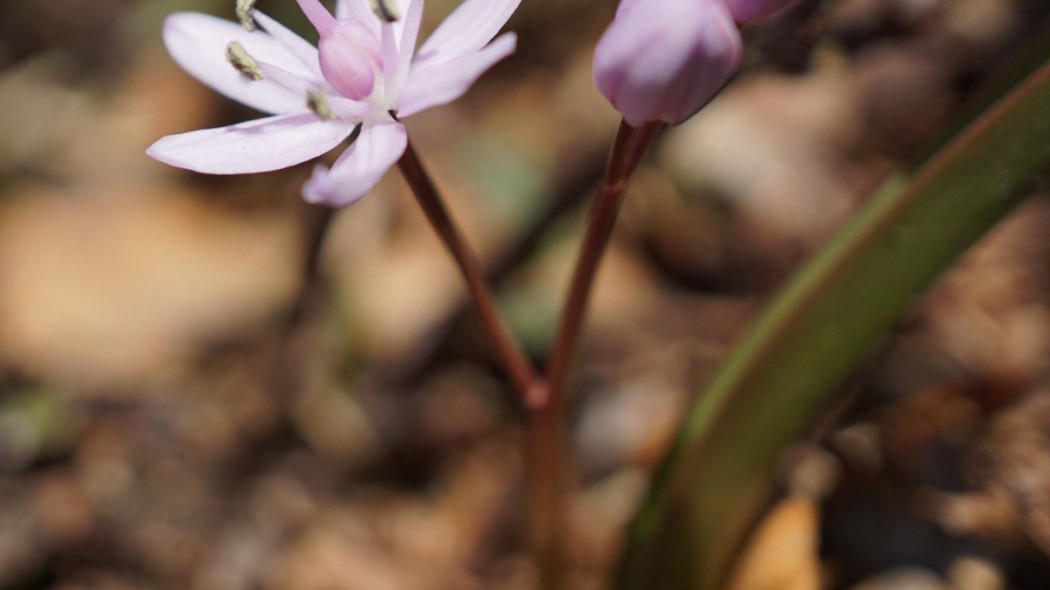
316 221
543 399
628 148
519 368
545 430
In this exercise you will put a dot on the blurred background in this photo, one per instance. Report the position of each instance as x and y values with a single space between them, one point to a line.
176 414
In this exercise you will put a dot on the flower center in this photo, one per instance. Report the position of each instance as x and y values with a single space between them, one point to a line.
351 58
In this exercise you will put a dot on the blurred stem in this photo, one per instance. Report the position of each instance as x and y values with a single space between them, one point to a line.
545 429
585 169
287 378
628 148
509 353
316 221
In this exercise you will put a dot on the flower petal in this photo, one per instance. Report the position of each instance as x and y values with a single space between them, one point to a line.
197 42
348 109
360 167
294 84
255 146
362 10
437 84
403 7
296 45
413 19
391 58
469 28
318 15
358 10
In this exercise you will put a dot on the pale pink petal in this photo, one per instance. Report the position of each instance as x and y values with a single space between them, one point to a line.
348 109
361 10
197 42
360 167
469 28
436 84
255 146
318 15
357 10
298 86
391 58
296 45
413 19
349 55
403 7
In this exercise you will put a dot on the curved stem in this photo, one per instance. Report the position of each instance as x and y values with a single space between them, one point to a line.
545 429
628 148
509 353
585 170
316 221
544 400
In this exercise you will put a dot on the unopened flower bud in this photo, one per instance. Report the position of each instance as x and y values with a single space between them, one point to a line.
350 57
746 11
662 60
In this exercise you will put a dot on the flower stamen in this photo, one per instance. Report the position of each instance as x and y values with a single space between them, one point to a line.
318 103
244 10
243 62
385 10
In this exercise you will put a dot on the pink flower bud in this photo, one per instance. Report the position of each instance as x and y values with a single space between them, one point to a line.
350 57
746 11
661 60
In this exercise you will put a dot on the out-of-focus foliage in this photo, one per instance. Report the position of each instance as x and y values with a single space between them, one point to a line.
815 333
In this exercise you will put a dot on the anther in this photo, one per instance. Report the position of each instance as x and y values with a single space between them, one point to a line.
244 9
318 103
241 61
385 10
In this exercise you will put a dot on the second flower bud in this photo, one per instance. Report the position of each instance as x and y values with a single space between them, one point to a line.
662 60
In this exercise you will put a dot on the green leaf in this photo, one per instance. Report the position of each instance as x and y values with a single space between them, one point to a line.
718 475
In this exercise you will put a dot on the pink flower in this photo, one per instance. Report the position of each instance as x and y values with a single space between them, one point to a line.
746 11
363 71
661 60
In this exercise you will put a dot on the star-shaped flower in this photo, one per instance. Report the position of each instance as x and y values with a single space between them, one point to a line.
363 73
